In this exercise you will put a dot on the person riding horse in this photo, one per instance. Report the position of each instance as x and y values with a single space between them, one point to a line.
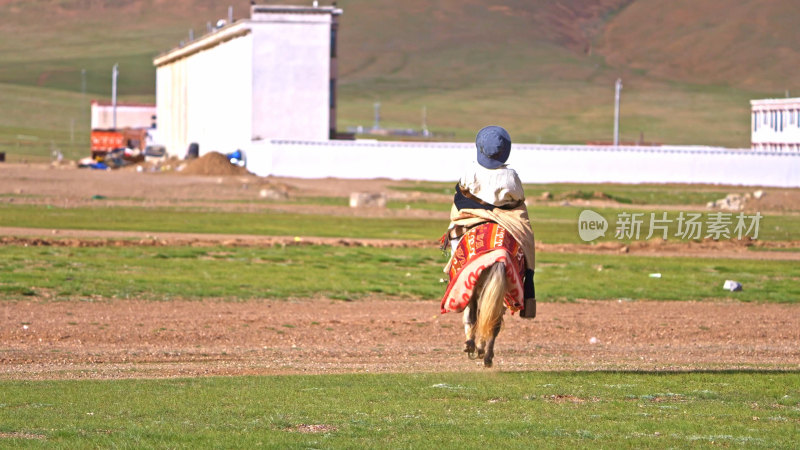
489 226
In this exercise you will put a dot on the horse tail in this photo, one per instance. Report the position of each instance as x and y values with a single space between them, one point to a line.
491 302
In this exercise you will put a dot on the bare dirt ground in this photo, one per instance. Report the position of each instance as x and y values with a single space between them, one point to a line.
105 238
113 339
132 338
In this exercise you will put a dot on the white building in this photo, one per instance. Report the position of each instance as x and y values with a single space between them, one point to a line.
775 125
272 76
128 115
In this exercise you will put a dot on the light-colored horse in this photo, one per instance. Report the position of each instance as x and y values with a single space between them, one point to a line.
483 316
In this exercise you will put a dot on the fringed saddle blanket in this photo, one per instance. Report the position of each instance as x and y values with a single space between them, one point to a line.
479 248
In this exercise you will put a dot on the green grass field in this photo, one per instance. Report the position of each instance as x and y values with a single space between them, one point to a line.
645 194
550 224
466 410
346 273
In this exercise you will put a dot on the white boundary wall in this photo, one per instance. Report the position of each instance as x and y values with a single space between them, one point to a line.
534 163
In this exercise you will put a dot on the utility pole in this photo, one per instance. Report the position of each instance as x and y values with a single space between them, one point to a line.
114 74
83 105
618 88
377 107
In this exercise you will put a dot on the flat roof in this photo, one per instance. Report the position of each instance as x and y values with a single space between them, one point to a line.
286 9
775 101
237 29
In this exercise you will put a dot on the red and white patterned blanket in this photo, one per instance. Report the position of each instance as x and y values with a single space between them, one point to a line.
478 249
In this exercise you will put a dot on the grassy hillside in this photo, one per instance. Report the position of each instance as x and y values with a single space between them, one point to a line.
744 43
543 69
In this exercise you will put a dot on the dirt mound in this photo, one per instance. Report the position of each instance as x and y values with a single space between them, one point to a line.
213 163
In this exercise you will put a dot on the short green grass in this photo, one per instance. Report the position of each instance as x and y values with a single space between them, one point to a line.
465 410
637 194
164 273
196 220
550 224
573 276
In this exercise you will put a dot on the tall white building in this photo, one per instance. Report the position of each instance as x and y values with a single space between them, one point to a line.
775 125
272 76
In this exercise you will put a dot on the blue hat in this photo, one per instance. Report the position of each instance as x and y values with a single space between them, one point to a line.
494 146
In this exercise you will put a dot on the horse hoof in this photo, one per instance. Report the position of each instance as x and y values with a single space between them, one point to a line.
469 346
487 364
481 352
470 349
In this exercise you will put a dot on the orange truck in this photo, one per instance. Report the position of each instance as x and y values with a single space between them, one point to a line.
104 141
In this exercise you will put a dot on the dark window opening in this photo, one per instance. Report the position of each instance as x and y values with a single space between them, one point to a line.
333 93
333 42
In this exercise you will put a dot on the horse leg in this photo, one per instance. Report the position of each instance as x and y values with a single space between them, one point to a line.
481 346
469 330
471 317
487 360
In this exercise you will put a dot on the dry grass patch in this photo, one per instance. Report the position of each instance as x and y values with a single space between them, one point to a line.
21 435
313 428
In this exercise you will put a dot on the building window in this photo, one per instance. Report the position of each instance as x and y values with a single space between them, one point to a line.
333 93
333 41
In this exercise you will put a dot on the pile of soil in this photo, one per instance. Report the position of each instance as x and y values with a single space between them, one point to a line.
213 163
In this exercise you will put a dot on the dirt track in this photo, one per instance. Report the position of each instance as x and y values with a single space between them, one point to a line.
113 339
104 238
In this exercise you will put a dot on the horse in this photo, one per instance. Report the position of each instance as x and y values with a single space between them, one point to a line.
487 271
483 315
